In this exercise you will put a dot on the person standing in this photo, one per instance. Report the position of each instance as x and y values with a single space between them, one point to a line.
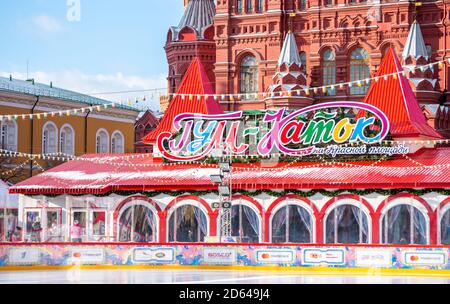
76 232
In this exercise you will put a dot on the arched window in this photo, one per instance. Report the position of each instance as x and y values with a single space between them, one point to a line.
239 6
249 76
303 60
259 6
359 71
347 224
292 224
429 51
245 224
404 224
49 138
445 228
188 224
137 223
9 135
329 70
117 142
302 5
249 6
102 141
67 140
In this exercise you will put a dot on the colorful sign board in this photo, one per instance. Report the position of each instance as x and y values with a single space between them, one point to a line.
323 257
275 256
219 255
373 257
232 255
423 258
157 255
196 136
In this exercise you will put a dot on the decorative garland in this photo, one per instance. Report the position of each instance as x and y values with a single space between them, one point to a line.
386 192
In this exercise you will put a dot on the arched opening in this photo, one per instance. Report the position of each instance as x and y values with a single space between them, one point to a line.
102 141
347 224
445 228
292 223
137 222
329 70
188 224
117 142
303 60
404 223
245 223
49 138
9 135
67 140
249 76
359 71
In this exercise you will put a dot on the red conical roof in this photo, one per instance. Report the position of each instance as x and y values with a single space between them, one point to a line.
395 97
194 82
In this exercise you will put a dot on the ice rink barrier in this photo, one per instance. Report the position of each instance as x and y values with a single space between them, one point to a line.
388 257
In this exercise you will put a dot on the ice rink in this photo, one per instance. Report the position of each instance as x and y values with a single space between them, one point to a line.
130 276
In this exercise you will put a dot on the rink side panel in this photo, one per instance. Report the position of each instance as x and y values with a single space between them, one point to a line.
389 257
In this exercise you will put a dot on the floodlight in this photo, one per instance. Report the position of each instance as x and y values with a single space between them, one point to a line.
217 179
225 167
224 190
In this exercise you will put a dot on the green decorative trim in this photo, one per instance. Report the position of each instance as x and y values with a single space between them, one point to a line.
389 192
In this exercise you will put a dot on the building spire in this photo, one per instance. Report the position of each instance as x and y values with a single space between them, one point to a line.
289 53
415 45
198 16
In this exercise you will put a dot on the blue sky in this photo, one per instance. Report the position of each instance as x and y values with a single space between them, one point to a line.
117 44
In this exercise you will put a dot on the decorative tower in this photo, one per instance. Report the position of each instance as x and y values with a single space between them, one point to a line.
192 38
289 82
416 57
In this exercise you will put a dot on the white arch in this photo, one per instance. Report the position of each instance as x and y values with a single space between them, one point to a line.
56 144
247 203
408 201
67 125
352 202
143 203
7 145
106 140
294 202
122 138
187 202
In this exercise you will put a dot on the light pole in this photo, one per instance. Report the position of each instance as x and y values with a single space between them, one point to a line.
224 182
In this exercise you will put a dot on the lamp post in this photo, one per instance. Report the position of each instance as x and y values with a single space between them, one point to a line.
224 182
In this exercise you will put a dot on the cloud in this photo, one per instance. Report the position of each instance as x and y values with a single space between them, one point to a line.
112 87
47 24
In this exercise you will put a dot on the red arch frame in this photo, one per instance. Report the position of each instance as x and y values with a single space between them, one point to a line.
432 215
372 214
279 201
211 214
134 198
438 222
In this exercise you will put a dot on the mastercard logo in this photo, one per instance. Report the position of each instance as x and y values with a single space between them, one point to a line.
265 255
76 255
414 258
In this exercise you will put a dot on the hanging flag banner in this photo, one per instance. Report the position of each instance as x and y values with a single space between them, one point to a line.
323 129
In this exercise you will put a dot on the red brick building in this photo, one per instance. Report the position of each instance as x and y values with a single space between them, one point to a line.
240 41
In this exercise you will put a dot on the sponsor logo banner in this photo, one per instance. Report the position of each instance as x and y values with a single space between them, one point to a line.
219 255
24 256
88 255
326 256
425 258
154 255
275 256
373 257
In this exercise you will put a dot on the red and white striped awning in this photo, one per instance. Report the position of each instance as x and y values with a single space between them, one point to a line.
429 168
